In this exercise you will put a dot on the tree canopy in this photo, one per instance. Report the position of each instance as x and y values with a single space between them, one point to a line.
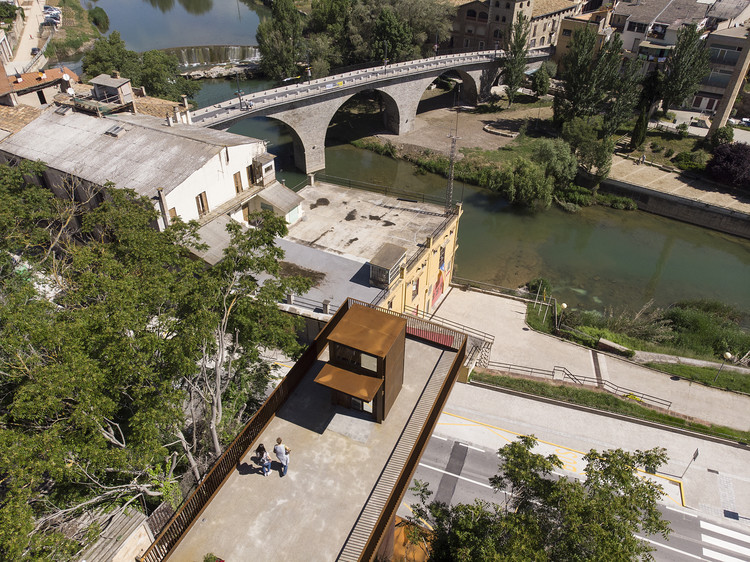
124 363
349 32
514 66
686 65
154 70
543 518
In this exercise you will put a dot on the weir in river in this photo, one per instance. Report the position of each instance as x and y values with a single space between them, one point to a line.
213 54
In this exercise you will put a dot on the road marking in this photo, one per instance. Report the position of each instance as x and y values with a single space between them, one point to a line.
682 511
425 523
673 549
470 447
726 545
724 531
675 481
457 476
719 556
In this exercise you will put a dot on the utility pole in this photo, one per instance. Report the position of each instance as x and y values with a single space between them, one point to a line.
454 137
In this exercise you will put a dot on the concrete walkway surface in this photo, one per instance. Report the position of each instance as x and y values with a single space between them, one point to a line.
34 16
517 344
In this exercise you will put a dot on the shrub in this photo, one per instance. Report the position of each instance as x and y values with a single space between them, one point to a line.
682 130
541 285
669 153
99 18
656 147
731 165
690 161
722 135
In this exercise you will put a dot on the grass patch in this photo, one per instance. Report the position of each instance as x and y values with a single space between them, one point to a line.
77 29
607 402
522 101
727 379
535 318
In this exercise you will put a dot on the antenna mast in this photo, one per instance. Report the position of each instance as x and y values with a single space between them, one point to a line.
454 137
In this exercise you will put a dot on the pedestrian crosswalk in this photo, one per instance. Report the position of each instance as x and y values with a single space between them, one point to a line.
724 545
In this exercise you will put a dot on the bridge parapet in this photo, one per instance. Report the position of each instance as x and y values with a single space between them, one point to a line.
402 85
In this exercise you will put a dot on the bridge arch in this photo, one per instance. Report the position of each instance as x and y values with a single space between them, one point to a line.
401 86
309 128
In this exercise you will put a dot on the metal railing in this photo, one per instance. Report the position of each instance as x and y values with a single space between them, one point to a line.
184 518
564 374
404 479
412 261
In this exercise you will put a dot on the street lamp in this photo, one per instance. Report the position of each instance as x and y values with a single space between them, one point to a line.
239 92
563 306
385 59
437 46
727 357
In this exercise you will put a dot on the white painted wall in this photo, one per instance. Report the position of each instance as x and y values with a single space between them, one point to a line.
216 178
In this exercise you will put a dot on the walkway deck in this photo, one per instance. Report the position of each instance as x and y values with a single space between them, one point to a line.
335 455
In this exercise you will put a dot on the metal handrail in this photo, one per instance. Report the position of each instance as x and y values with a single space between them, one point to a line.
380 188
185 516
450 324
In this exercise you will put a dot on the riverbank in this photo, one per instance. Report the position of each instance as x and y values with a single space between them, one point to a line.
658 190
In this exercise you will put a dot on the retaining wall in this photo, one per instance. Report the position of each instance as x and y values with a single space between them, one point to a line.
686 210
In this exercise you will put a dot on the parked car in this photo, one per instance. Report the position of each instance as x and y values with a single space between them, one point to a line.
34 51
51 22
53 15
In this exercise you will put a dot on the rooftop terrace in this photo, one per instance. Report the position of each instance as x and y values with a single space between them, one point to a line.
346 474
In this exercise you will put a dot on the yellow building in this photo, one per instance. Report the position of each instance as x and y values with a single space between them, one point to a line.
598 21
396 251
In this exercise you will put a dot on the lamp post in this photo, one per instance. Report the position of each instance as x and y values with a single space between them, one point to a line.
437 45
239 92
385 59
727 357
563 306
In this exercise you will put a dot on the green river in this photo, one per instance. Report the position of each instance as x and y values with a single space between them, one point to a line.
597 258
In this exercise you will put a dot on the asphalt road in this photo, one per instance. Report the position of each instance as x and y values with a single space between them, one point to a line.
458 468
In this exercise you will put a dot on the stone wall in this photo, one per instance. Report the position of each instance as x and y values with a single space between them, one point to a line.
686 210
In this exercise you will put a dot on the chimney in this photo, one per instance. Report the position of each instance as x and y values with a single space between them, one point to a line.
169 120
184 101
115 74
176 114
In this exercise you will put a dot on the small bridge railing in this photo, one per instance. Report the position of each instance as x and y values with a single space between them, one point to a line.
565 375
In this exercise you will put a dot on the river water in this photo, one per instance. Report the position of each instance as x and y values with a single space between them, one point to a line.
595 259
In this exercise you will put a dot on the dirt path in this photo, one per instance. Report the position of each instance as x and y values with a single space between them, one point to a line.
431 129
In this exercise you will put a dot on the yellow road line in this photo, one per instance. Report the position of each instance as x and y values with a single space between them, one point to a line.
493 427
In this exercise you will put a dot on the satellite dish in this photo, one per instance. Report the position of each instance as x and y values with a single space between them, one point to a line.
70 91
66 77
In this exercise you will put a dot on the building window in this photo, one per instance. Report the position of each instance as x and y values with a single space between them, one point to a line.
266 207
503 18
481 44
250 175
237 182
466 43
567 32
202 203
496 34
390 304
497 3
470 31
471 14
497 18
414 288
541 41
482 16
442 256
172 214
507 5
532 43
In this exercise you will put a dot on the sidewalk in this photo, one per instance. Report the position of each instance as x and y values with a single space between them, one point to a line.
30 38
517 344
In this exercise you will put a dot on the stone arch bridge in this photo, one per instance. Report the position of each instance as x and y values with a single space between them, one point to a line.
308 108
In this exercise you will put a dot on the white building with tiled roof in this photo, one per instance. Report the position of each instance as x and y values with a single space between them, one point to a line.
189 172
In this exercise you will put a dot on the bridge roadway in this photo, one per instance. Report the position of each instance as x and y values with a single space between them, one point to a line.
402 85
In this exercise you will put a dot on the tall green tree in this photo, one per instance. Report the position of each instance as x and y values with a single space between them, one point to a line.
593 148
686 65
547 518
514 65
280 41
540 82
123 361
155 70
558 161
392 37
624 97
591 77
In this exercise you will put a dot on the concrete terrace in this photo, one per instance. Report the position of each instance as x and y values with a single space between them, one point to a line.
338 464
341 229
